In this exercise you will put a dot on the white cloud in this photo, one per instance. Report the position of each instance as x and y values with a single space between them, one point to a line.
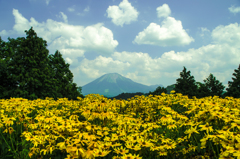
166 69
229 34
203 31
92 67
63 16
71 9
220 59
124 14
234 10
20 21
71 41
163 11
87 9
170 34
47 2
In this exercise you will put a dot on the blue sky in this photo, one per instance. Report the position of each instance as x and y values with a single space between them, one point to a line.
146 41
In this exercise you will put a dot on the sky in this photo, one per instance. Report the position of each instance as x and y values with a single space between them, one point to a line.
147 41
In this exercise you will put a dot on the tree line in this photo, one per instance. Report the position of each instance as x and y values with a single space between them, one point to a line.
186 85
28 71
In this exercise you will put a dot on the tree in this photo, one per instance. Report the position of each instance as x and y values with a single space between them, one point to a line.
233 89
210 87
159 90
203 91
214 86
79 89
186 84
63 76
30 68
6 83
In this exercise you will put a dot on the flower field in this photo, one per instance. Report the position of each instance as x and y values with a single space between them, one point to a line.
158 127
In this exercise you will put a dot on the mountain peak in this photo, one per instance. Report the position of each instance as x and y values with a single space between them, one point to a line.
111 77
113 84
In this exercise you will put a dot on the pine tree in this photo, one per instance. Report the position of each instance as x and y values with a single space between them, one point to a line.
202 91
186 84
233 89
214 86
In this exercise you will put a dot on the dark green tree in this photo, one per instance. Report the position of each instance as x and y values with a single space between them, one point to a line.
29 67
29 70
158 91
203 91
186 84
7 53
7 83
213 86
233 89
64 77
126 96
79 89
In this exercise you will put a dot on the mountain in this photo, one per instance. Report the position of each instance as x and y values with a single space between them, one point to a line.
113 84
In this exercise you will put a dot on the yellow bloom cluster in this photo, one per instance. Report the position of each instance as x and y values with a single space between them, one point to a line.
170 126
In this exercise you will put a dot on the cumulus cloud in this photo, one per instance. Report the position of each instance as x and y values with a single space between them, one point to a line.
92 38
170 34
223 55
72 41
140 66
234 10
229 34
63 16
204 31
163 11
122 14
92 67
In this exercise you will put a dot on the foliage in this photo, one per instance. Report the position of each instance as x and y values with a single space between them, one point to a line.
64 77
125 96
186 84
159 90
210 88
233 89
26 63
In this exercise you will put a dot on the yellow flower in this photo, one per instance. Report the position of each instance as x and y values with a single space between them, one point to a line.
172 92
190 131
171 126
10 129
206 127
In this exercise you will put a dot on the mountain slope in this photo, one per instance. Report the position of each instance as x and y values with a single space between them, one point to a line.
113 84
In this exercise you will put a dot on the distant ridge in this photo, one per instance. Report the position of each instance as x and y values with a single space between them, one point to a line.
113 84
